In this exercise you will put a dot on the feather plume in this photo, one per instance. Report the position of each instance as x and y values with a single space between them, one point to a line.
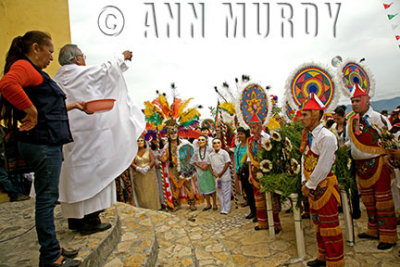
175 107
164 105
227 92
153 114
189 115
228 107
183 106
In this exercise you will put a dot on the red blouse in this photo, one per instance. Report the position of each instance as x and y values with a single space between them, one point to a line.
21 74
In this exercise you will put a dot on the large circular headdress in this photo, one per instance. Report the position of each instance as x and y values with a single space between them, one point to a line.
253 101
311 78
351 72
288 111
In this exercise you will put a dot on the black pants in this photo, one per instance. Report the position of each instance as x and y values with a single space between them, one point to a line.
248 189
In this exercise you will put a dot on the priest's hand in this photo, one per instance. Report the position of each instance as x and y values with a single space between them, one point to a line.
81 105
127 55
305 190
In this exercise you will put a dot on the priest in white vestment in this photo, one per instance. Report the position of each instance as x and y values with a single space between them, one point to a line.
104 143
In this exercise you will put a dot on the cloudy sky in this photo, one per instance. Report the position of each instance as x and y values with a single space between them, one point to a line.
268 51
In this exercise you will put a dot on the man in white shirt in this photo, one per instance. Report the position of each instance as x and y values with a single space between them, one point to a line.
220 169
373 170
104 143
320 185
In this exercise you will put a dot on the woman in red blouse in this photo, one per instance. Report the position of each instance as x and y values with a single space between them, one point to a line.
31 97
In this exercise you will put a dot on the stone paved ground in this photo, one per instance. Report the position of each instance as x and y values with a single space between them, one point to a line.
254 248
183 238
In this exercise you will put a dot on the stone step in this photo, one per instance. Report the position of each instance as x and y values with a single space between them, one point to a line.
19 246
157 238
185 243
138 244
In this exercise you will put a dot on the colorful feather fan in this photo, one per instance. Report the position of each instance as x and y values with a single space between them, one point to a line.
159 111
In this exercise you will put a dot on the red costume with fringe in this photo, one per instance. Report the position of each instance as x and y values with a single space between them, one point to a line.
373 177
253 145
324 211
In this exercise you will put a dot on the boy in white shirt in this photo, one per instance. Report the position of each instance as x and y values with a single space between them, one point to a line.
220 169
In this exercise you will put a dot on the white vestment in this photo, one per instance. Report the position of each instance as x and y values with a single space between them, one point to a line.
104 143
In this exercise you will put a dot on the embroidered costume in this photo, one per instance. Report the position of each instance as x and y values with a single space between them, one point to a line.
372 174
318 176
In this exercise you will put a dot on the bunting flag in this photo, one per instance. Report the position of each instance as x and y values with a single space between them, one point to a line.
393 9
386 6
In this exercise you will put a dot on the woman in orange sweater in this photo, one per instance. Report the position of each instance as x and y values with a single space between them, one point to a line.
31 97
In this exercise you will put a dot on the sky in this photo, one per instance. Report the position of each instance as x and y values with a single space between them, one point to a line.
201 56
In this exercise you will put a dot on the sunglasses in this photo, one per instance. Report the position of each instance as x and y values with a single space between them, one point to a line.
216 143
202 140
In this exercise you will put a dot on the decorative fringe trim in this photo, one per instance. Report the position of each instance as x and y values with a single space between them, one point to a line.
321 256
178 186
362 147
331 231
385 205
335 263
391 239
320 203
372 232
367 183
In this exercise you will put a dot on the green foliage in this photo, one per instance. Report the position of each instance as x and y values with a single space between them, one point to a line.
342 168
282 151
212 111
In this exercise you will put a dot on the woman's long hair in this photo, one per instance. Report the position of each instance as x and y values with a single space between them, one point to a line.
171 164
20 46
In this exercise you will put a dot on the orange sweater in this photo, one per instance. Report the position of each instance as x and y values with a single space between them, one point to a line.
21 74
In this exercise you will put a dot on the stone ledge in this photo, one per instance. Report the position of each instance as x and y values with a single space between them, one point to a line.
138 245
99 254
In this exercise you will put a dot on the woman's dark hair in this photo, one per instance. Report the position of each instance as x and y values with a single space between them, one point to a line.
171 164
245 131
329 123
340 110
153 146
19 48
144 141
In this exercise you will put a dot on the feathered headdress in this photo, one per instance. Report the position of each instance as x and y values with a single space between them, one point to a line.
312 78
253 103
160 114
227 98
353 71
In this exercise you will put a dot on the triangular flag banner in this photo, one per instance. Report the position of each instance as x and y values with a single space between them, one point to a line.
397 37
386 6
392 16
